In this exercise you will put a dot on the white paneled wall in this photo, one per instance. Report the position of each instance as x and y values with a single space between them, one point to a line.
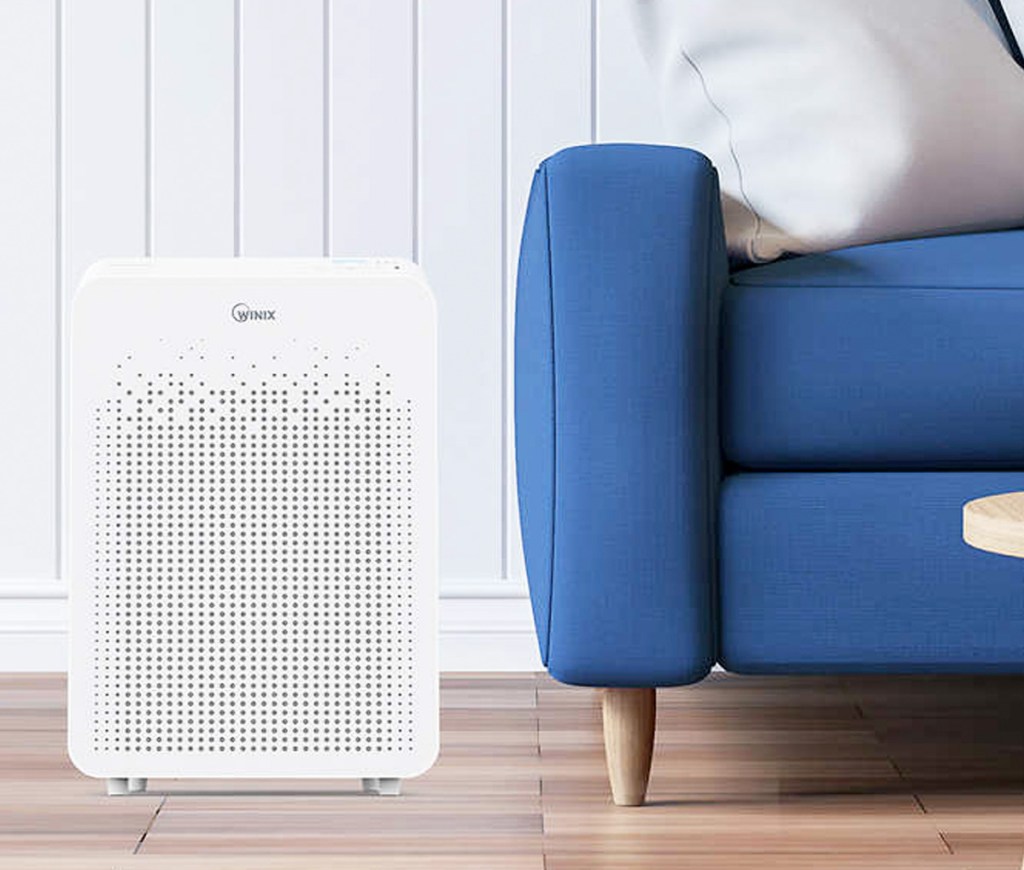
192 128
29 287
282 117
461 71
293 127
372 130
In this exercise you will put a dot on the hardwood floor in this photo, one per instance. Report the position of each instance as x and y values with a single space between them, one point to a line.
748 773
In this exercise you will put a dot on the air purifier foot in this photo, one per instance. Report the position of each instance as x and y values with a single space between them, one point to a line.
119 785
389 786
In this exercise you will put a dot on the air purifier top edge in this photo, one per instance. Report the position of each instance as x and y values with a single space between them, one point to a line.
252 267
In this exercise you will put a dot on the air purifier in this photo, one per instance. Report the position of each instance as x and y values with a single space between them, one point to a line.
250 521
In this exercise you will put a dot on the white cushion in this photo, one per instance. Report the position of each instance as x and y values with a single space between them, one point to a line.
843 122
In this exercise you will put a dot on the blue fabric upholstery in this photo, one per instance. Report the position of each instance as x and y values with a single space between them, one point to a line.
899 355
864 573
843 373
621 267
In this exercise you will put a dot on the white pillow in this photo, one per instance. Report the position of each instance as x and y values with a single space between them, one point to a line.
843 122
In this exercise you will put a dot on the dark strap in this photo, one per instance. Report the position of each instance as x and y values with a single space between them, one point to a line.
1011 39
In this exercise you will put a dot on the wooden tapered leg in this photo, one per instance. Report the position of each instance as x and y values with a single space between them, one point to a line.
628 742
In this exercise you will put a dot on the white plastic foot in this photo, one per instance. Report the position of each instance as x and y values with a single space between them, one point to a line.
117 786
388 786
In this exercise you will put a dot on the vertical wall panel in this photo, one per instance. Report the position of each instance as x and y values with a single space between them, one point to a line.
193 130
397 126
628 108
28 288
461 247
104 193
549 98
282 127
373 121
104 133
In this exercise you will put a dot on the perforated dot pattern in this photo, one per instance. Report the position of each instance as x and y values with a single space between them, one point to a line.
254 544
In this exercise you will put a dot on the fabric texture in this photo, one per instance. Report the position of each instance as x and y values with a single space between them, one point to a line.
844 122
621 268
863 573
897 355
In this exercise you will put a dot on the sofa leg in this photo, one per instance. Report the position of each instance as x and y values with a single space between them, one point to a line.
628 742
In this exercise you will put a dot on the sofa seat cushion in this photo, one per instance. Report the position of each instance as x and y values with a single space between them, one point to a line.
831 572
897 355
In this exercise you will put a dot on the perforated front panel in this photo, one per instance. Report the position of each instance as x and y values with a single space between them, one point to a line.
254 560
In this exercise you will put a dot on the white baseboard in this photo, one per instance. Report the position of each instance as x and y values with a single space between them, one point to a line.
483 628
488 634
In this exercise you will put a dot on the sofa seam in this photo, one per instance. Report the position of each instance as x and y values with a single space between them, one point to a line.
554 414
713 458
902 288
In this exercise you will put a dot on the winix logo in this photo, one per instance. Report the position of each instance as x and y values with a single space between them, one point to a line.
242 313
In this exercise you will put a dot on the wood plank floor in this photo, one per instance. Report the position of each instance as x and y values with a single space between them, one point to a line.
759 773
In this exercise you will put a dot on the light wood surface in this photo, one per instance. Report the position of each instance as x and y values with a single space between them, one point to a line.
628 717
760 773
996 523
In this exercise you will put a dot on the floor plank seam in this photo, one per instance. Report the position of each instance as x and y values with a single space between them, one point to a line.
540 758
945 842
896 767
149 827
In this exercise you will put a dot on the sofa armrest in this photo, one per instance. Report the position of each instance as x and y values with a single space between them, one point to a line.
620 272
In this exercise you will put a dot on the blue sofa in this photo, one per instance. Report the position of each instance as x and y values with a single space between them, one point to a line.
763 468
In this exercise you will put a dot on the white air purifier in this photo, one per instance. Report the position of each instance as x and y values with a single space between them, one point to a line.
251 521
